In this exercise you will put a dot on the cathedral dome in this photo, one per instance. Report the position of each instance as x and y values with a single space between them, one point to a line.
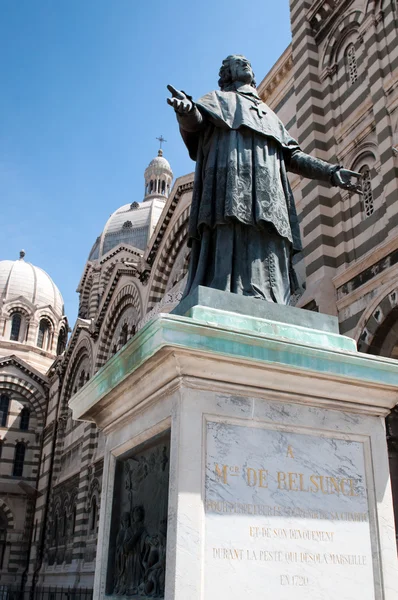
133 224
20 278
130 224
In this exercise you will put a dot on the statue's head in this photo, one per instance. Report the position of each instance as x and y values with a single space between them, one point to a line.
126 521
235 68
138 513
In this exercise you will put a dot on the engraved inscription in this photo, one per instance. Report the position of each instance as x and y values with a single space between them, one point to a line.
286 510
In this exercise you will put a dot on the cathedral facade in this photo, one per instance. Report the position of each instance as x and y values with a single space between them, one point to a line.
336 90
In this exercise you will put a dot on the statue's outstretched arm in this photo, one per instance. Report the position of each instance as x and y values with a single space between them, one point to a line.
189 117
313 168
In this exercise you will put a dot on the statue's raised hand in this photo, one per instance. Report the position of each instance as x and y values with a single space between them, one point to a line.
181 103
343 178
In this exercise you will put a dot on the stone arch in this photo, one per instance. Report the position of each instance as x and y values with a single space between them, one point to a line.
16 306
29 392
93 496
82 354
348 24
7 512
127 297
163 266
367 150
26 310
373 6
84 300
107 274
376 318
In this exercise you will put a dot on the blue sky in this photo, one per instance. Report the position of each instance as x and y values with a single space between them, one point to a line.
83 99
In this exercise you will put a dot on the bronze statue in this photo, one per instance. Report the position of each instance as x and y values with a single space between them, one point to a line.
243 226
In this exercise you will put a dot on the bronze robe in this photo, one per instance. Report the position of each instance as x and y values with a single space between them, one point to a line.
243 225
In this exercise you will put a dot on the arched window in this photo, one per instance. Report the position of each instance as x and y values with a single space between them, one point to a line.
4 406
24 421
82 378
367 198
19 458
61 344
163 187
93 514
351 62
151 187
73 520
3 537
43 336
64 524
55 528
15 326
124 334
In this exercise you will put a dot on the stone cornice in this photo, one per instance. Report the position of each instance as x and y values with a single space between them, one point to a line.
181 349
25 368
372 257
278 73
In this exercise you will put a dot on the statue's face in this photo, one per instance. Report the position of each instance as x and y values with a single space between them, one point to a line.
241 69
126 520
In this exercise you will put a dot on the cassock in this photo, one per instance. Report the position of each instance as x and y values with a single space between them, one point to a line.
243 226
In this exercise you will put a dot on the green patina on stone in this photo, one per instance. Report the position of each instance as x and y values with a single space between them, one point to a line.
253 307
266 342
296 333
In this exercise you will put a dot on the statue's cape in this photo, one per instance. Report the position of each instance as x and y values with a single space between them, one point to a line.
231 110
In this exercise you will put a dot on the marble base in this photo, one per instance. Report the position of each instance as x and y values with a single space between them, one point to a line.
279 479
205 297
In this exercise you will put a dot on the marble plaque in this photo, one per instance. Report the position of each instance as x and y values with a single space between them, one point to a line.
286 516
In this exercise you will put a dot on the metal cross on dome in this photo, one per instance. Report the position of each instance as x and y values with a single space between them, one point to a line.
161 140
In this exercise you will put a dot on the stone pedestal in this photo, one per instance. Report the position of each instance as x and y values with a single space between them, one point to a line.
279 483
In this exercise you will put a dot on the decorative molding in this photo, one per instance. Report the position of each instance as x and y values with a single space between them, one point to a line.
181 189
276 77
25 368
323 13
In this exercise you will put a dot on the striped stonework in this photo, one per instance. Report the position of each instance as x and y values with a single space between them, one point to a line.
176 240
346 113
27 389
317 199
127 296
7 512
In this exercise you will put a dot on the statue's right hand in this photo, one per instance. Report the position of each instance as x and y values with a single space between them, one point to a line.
179 101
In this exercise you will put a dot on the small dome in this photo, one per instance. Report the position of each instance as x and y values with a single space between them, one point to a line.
159 162
21 278
158 177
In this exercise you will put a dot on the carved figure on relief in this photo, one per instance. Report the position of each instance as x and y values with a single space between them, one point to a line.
121 554
155 564
134 547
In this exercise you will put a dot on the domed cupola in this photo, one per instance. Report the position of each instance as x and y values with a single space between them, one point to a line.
133 224
158 178
32 320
